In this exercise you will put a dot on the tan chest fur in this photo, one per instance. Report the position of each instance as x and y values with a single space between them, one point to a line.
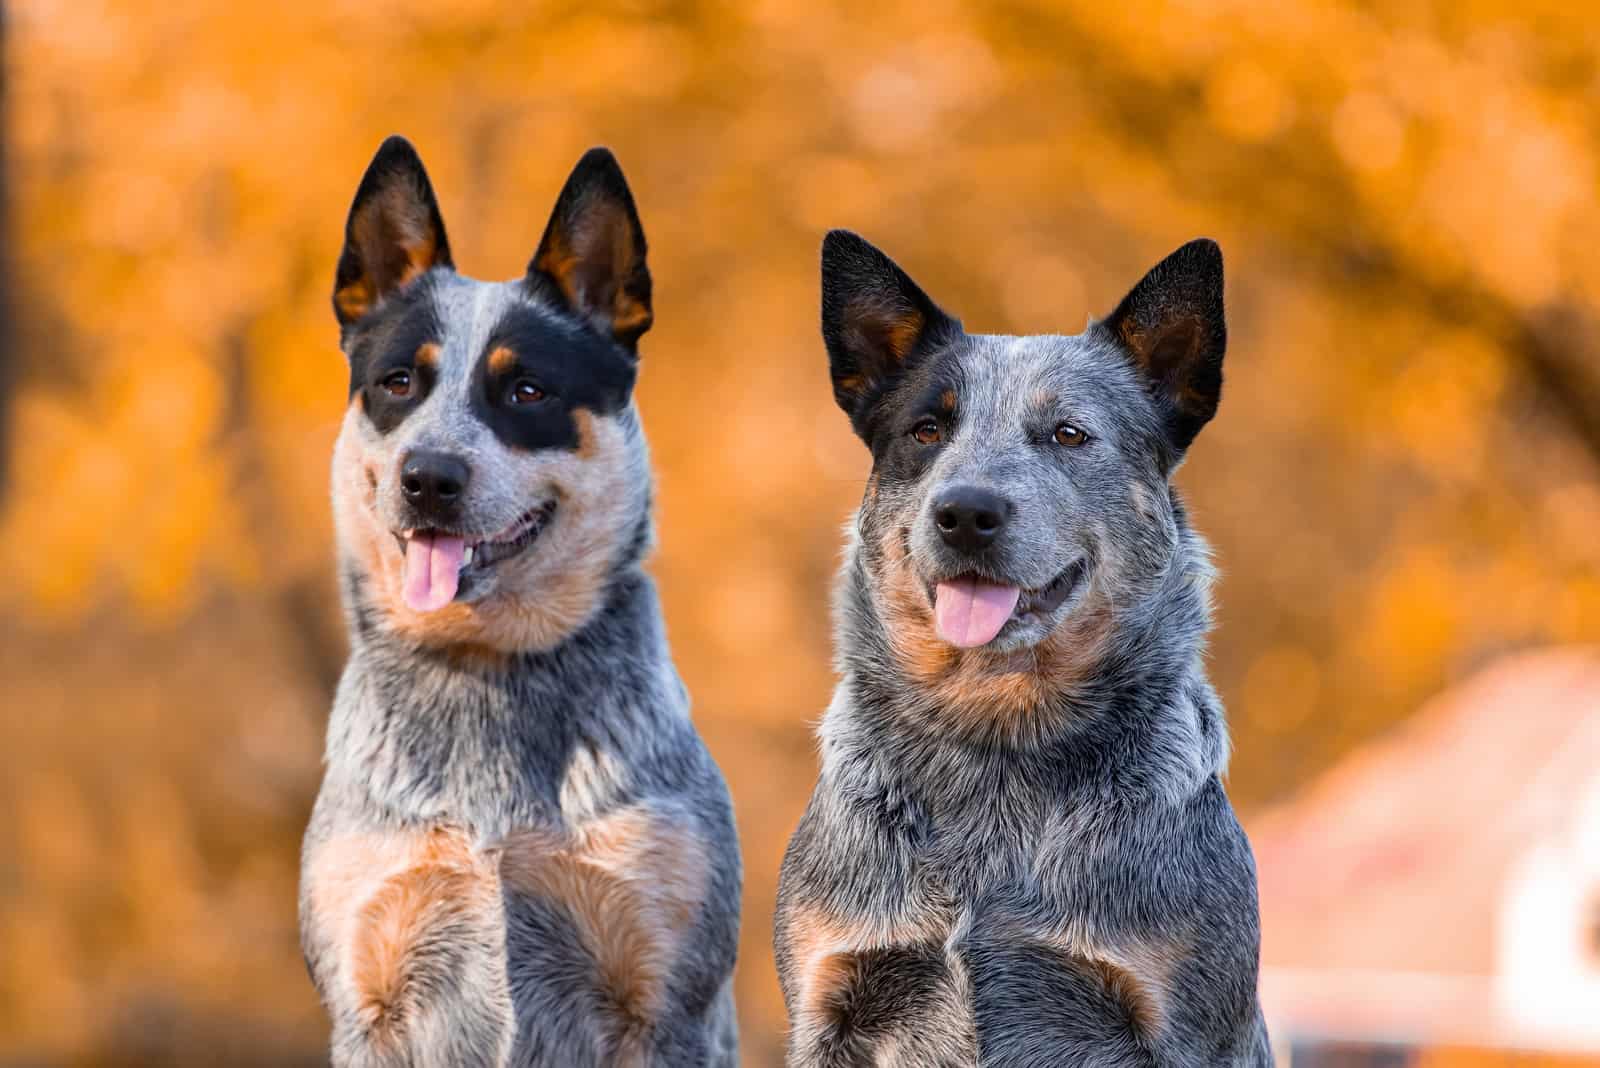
399 909
825 948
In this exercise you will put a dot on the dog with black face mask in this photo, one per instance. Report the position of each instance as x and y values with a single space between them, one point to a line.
522 853
1019 851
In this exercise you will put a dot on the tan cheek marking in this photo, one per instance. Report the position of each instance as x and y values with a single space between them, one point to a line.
632 883
588 444
988 689
501 360
362 536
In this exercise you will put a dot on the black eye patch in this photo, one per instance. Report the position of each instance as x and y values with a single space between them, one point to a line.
930 390
400 339
571 366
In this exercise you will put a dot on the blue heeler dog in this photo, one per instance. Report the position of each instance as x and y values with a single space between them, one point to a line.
1019 851
522 853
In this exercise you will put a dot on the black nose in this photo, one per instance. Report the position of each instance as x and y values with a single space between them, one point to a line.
970 518
433 482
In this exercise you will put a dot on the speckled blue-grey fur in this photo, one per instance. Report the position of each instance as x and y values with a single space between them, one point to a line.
1060 881
522 853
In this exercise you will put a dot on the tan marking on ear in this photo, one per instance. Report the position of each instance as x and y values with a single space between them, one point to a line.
632 883
391 221
981 689
884 325
412 231
501 360
604 242
630 316
428 354
851 383
901 334
356 298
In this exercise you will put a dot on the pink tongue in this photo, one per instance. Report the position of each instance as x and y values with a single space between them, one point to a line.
433 570
969 613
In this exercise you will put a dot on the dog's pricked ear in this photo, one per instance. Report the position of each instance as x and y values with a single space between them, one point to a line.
874 320
593 251
394 233
1171 325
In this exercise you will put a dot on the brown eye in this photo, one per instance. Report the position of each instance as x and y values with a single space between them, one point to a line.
927 432
525 392
1070 436
397 383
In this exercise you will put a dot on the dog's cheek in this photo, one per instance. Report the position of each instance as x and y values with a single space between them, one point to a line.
358 466
907 616
545 596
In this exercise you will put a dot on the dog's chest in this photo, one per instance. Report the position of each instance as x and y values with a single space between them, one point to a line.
399 911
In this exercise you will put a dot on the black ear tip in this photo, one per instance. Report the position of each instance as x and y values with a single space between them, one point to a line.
599 156
599 168
845 249
1203 255
838 241
396 153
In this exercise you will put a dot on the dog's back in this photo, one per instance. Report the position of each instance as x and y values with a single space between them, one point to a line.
521 853
1019 851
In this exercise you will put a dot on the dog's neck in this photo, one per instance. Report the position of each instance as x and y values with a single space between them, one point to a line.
430 734
1147 692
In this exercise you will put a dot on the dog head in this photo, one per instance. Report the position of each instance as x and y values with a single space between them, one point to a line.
1019 501
490 475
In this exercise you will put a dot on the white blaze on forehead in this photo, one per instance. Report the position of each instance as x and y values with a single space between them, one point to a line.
467 313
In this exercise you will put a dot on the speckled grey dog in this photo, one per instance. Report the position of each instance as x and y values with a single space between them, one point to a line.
1019 851
522 853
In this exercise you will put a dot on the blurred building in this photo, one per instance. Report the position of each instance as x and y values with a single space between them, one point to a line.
1441 889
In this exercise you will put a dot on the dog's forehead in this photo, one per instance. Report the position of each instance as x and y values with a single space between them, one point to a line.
1002 372
470 314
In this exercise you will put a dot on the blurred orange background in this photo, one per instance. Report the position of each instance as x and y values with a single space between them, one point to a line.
1403 484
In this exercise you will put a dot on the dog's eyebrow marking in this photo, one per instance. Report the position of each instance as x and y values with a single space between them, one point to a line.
502 359
1045 399
428 354
947 400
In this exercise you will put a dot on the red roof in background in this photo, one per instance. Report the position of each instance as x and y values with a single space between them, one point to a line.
1394 860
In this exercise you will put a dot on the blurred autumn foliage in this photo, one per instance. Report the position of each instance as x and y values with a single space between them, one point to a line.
1401 483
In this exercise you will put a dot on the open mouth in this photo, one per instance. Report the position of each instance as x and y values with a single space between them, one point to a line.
439 563
969 610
